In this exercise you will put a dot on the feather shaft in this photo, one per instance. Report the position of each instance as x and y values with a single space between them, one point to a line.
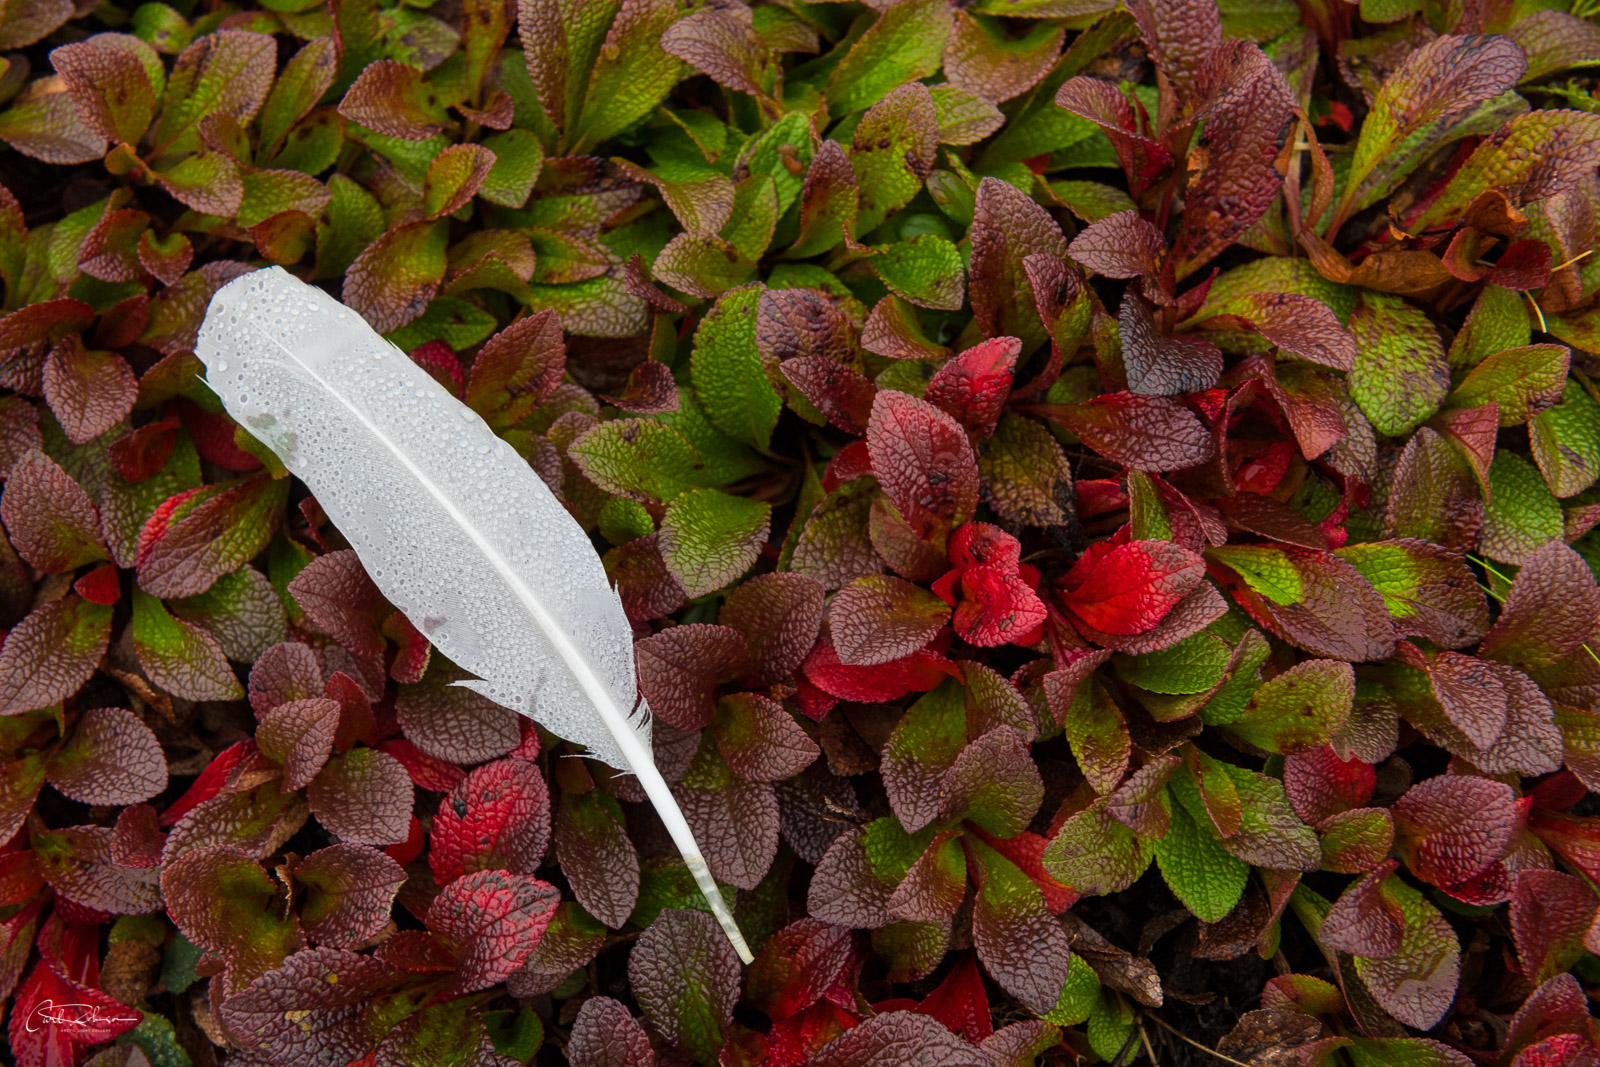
451 524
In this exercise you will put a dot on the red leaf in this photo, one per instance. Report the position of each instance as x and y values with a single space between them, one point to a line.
143 452
427 772
996 608
973 386
498 818
210 781
1128 588
923 461
54 1018
960 1002
916 673
797 965
493 920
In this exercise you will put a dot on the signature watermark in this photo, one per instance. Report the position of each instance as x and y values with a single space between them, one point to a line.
80 1017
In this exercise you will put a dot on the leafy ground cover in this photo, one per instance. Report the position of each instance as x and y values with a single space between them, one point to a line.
1107 500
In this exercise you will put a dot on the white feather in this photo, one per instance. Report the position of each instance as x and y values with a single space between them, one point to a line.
455 528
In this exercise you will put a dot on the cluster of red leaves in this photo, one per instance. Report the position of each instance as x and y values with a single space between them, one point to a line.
1106 497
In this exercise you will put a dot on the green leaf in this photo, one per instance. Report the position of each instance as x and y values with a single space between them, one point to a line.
639 458
709 538
307 76
225 73
1565 441
1098 734
728 374
240 611
631 74
1442 91
1197 869
892 153
926 270
1522 514
1400 375
1301 708
1079 995
1193 665
1267 570
1095 853
702 264
922 747
786 142
1522 381
1498 320
518 159
178 656
905 44
1537 147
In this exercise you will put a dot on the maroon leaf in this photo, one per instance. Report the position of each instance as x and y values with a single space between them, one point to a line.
1363 922
923 461
1450 828
363 795
1122 245
195 538
1159 364
89 391
454 724
1147 433
779 616
686 977
842 394
298 735
1550 914
517 369
493 921
349 891
1549 612
605 1035
51 653
597 857
1244 130
498 818
877 619
734 820
316 1007
796 967
681 667
899 1037
111 758
759 740
1008 227
51 520
286 671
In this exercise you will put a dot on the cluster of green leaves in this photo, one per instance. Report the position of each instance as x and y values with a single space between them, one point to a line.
1106 495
